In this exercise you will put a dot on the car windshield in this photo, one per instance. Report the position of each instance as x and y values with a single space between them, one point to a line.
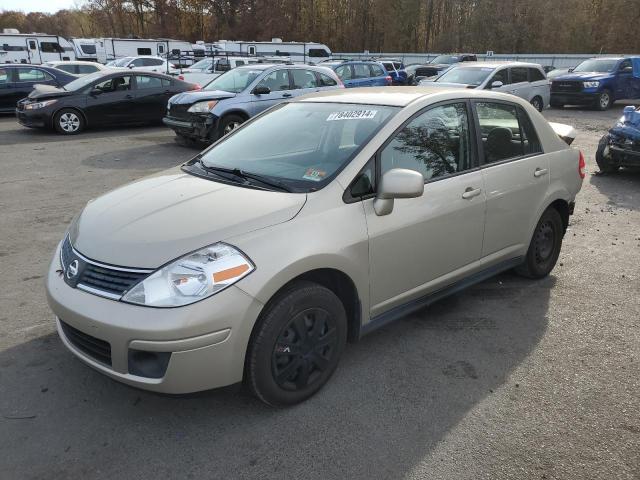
83 81
467 76
202 64
122 62
605 65
446 59
235 80
300 144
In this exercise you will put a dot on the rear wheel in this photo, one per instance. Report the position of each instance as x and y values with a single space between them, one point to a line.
603 157
605 100
68 121
545 246
296 345
537 103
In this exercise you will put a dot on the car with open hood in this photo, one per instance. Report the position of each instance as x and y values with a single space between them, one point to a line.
310 225
100 99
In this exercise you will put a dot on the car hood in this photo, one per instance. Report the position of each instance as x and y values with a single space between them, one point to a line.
582 76
193 97
156 219
48 91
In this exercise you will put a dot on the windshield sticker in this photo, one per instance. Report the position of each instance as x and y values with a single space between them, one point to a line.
313 174
352 115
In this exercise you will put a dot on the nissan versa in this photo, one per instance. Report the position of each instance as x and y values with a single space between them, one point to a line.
310 225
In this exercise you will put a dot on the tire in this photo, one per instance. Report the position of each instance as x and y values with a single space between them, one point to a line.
537 103
603 157
68 121
605 100
228 124
545 246
296 345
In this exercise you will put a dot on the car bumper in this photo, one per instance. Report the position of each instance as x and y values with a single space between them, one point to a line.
32 119
199 128
169 350
578 98
625 157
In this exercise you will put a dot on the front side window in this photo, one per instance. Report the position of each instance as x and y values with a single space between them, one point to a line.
507 132
32 75
85 69
276 81
519 75
145 82
625 65
465 75
303 79
597 65
115 84
327 81
499 76
361 70
344 72
436 143
535 75
234 81
376 70
302 144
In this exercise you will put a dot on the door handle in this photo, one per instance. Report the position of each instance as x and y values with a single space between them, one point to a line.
540 172
471 192
286 95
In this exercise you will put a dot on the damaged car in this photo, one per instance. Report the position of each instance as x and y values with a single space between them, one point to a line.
620 147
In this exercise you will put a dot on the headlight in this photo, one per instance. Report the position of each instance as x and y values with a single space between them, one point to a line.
591 84
202 107
191 278
36 105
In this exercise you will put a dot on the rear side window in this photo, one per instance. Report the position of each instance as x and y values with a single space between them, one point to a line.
344 72
33 75
507 132
376 70
361 70
68 68
436 143
535 75
138 62
84 69
303 79
145 82
519 75
327 81
151 62
276 81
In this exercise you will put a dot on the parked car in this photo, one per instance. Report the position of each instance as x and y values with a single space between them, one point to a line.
144 62
525 80
417 72
357 73
620 147
208 69
97 99
316 223
443 62
77 67
17 81
239 94
598 82
396 70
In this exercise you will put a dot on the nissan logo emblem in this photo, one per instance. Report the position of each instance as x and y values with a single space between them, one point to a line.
72 269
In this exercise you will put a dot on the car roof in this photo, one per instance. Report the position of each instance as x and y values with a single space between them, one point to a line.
392 96
498 64
73 62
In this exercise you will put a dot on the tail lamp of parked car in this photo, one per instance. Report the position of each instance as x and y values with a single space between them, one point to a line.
389 80
582 166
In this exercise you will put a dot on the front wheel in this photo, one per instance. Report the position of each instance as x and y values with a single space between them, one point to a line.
537 103
545 246
68 121
296 345
229 123
603 157
605 100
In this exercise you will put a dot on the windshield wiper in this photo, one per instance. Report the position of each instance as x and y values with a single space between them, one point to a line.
237 172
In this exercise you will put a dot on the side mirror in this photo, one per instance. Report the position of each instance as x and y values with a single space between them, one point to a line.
496 84
130 66
397 183
95 92
571 69
628 69
261 90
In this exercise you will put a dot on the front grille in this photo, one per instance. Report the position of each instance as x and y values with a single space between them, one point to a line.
94 277
94 347
566 87
179 111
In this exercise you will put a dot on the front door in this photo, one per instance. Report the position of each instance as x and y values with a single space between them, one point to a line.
500 76
516 177
34 51
280 90
425 243
113 102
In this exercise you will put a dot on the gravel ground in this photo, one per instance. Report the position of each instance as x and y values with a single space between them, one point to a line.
510 379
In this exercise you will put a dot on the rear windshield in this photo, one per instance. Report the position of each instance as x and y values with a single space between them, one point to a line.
467 76
604 65
447 59
301 144
234 81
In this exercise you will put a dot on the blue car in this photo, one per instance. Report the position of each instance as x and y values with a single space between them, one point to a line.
356 73
620 147
17 81
234 97
598 82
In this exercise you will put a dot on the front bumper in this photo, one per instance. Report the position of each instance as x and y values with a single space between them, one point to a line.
205 342
197 127
33 118
578 98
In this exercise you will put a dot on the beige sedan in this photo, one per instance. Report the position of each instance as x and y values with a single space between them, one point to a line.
308 227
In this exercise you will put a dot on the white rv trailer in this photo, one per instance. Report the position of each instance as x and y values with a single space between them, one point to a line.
85 48
297 51
33 48
108 49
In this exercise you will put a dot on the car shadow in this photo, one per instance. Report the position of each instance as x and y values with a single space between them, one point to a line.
621 188
396 394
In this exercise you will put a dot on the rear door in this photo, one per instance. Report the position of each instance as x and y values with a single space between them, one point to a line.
362 75
115 104
516 176
540 86
378 75
151 97
304 81
520 86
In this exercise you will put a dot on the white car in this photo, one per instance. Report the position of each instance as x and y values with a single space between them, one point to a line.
77 67
145 62
208 69
524 80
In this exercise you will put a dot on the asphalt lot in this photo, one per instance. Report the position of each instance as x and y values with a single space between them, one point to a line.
510 379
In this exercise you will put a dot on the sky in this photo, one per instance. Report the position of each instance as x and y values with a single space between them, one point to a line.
27 6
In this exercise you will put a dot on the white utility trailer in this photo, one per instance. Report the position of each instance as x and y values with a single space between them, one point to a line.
35 48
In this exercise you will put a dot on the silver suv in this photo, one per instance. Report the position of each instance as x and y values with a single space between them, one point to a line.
311 225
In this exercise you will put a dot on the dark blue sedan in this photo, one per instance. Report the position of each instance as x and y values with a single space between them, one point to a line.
17 81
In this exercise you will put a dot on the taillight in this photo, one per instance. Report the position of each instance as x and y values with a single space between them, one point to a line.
389 79
181 77
582 166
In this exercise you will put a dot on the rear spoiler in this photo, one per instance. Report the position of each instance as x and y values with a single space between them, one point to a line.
565 132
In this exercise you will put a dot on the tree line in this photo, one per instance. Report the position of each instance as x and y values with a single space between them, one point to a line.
504 26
